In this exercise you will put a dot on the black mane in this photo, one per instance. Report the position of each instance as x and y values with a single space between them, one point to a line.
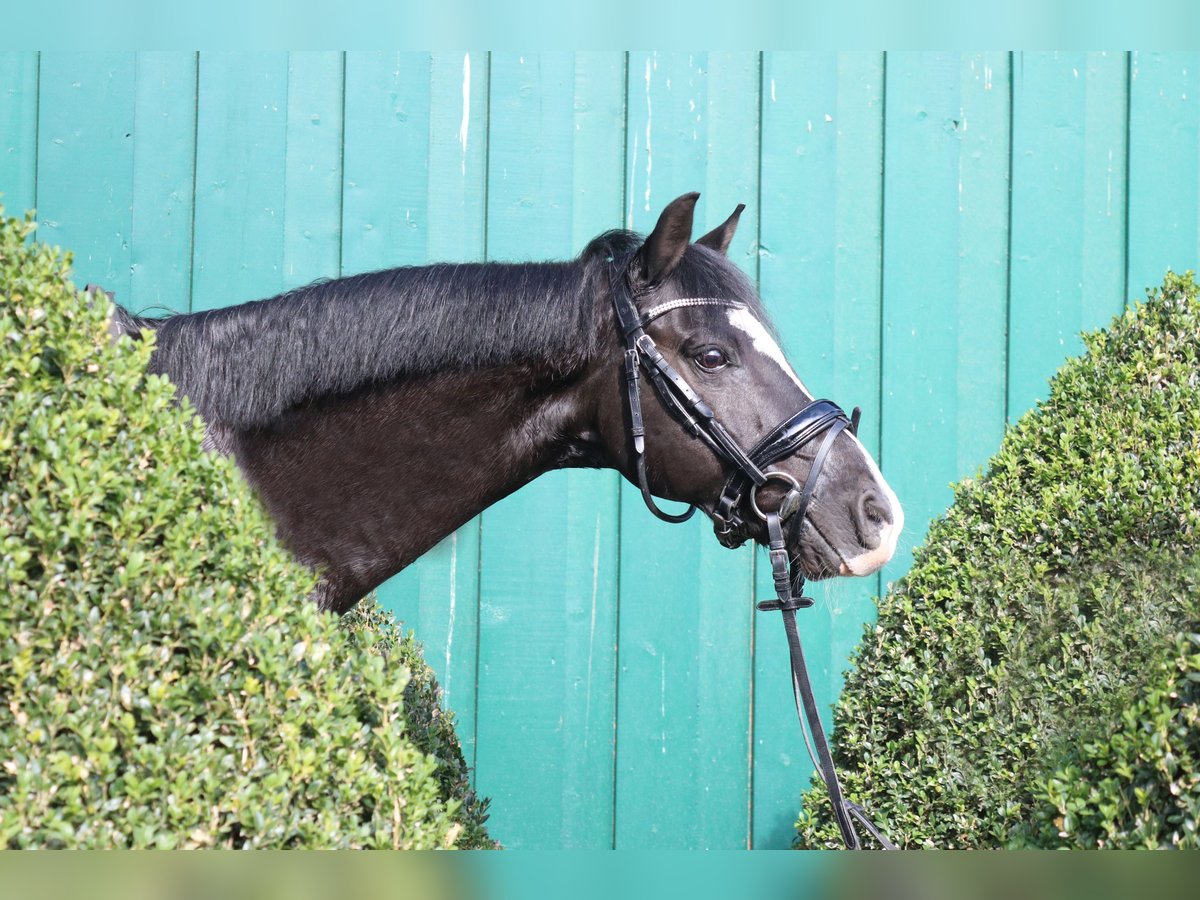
243 366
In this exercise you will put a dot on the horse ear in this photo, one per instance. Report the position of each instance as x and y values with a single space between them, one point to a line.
664 248
720 237
96 289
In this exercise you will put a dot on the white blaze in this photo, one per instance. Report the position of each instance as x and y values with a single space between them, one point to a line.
872 560
865 563
761 339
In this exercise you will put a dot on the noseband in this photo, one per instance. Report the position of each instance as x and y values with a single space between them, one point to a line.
749 471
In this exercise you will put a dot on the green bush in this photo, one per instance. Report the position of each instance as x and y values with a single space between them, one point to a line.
1035 609
1136 783
162 680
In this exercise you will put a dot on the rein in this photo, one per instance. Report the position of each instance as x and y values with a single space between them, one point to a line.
750 472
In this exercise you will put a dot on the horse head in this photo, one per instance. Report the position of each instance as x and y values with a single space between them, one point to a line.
705 318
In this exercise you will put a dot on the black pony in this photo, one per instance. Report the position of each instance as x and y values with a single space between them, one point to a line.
374 414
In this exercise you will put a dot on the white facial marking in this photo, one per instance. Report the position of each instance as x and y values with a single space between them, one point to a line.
873 560
761 340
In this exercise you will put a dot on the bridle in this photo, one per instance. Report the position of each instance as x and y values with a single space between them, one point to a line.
749 471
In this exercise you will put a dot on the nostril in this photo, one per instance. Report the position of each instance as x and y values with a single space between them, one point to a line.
871 514
876 510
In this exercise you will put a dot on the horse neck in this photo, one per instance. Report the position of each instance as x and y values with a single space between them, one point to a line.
364 484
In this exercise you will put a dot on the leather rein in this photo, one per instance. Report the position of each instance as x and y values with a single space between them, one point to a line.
749 472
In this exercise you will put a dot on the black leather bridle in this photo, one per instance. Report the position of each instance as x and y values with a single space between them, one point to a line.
749 471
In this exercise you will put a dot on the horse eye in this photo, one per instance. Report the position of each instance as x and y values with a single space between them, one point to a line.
712 359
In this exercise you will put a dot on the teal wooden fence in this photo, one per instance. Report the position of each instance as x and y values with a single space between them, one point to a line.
930 230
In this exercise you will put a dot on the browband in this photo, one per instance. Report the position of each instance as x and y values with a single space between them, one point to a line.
655 311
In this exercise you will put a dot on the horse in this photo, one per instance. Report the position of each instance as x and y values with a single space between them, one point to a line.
376 413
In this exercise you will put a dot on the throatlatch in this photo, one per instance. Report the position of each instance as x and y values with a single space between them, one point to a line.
749 473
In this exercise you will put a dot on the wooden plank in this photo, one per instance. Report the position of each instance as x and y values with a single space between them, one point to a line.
164 156
684 630
944 300
458 156
387 152
437 598
982 283
241 147
1068 210
414 181
18 131
548 605
820 258
85 162
312 220
1164 167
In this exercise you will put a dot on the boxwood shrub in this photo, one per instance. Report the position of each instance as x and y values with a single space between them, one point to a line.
1136 782
163 682
1023 683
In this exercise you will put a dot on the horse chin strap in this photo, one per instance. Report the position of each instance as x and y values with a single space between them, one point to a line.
749 473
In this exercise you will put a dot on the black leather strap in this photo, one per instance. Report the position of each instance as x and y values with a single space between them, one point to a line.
676 395
806 708
786 580
648 498
633 399
810 483
780 442
748 470
793 433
